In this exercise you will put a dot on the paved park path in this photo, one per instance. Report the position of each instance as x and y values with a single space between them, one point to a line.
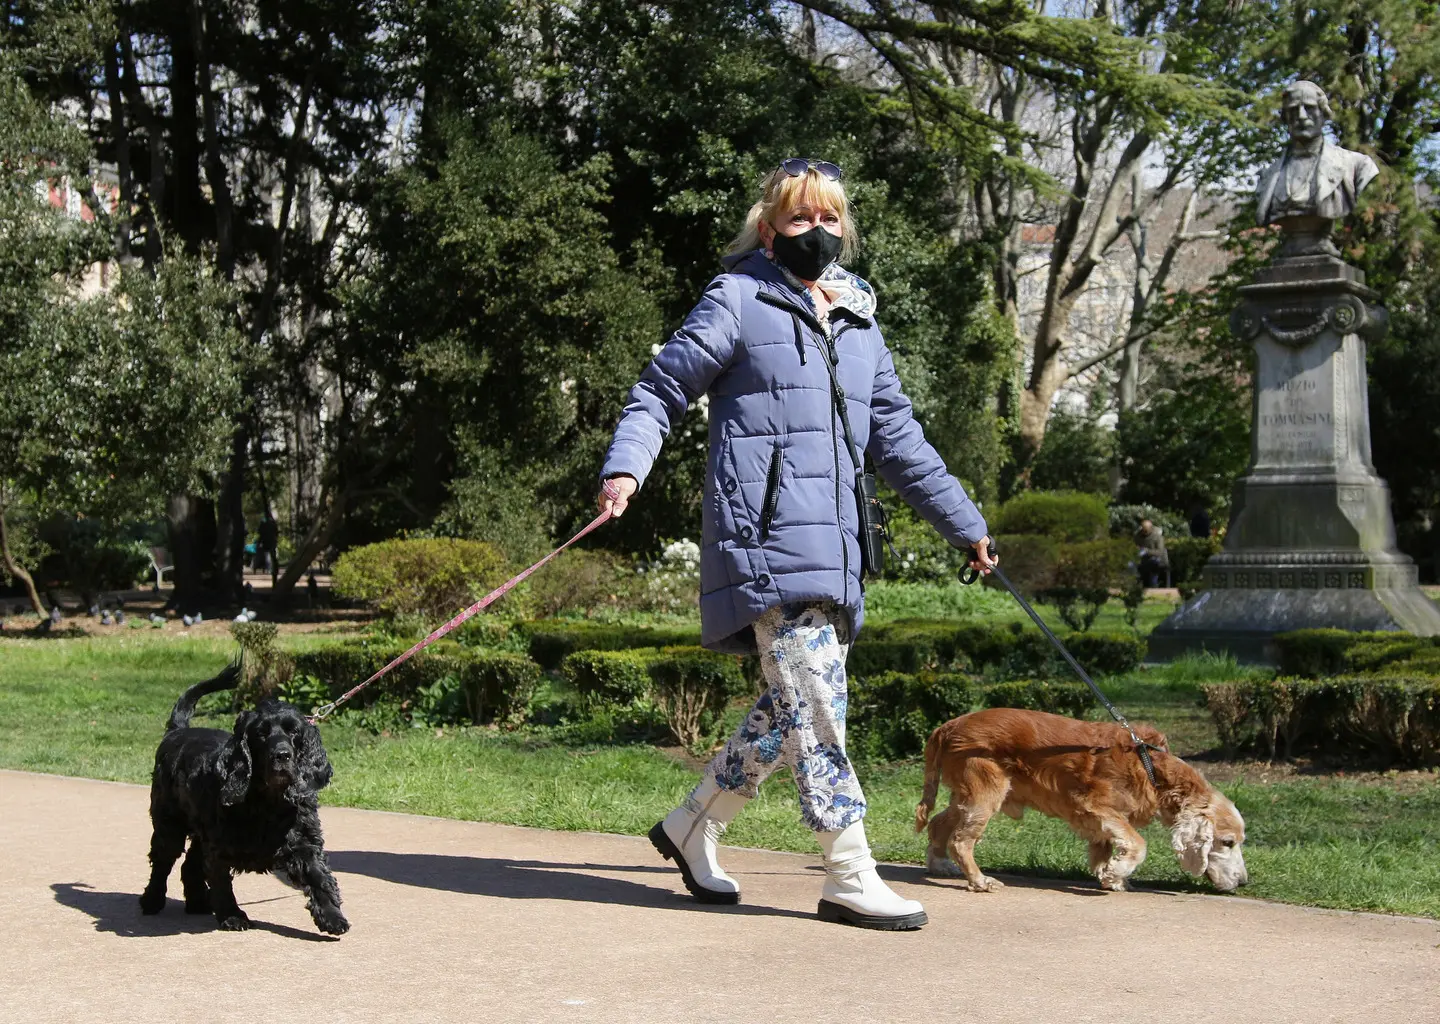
459 921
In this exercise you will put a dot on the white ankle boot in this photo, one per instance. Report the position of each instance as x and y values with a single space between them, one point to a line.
854 893
689 835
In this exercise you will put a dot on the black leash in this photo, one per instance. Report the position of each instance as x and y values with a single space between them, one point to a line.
969 576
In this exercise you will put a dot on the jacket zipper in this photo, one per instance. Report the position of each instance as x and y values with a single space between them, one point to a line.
772 492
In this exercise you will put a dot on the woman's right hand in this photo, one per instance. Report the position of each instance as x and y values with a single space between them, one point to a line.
616 493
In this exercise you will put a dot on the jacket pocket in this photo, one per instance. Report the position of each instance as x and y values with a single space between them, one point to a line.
772 491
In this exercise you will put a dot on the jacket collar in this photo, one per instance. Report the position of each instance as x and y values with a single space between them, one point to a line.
854 297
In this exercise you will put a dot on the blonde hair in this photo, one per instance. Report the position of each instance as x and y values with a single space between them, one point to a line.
780 193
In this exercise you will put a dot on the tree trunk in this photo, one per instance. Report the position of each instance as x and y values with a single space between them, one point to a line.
14 568
314 544
192 541
230 520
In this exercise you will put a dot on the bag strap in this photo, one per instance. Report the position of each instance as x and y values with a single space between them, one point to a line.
838 396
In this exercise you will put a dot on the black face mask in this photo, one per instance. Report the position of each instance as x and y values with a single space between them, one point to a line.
807 255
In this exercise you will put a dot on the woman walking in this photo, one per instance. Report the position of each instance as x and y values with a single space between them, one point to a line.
773 342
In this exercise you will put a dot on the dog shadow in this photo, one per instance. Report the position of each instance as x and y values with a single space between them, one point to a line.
532 880
1075 885
118 913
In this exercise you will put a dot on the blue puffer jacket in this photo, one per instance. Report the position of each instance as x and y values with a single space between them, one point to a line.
780 517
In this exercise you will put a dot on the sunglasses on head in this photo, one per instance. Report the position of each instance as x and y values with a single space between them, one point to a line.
798 165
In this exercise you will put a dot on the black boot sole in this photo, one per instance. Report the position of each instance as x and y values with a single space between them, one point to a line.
828 911
670 851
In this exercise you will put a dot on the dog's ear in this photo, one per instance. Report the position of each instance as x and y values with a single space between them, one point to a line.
236 764
1192 836
310 758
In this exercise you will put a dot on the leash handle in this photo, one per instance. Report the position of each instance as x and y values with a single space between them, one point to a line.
1141 747
969 574
326 710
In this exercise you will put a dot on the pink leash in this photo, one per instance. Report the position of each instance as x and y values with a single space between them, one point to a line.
478 606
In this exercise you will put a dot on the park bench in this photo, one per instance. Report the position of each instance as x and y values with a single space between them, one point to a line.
160 563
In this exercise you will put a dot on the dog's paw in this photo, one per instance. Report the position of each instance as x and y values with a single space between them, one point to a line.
987 884
331 922
153 902
942 867
1111 883
236 922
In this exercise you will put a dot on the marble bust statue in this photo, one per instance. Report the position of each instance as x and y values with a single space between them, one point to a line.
1315 182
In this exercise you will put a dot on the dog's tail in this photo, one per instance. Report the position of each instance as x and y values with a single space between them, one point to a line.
932 780
185 707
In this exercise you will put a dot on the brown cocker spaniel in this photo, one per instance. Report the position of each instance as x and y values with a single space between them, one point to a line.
1086 773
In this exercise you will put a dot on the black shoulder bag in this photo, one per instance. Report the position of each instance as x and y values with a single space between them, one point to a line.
867 503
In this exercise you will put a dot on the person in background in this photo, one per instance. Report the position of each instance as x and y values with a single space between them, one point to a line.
269 543
1154 561
1199 521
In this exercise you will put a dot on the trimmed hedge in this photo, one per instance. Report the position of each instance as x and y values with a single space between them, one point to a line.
447 683
1395 719
609 677
891 715
552 640
689 686
1000 651
1068 516
1315 653
433 577
1069 699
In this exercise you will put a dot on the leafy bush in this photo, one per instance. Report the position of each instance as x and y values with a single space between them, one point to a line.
691 686
550 641
88 556
608 677
1107 653
434 577
671 583
1085 573
1076 455
1067 516
480 687
1030 561
1395 719
892 714
1070 699
887 600
1188 556
264 668
582 580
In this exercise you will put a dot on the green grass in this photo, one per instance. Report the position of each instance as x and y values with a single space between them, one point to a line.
96 708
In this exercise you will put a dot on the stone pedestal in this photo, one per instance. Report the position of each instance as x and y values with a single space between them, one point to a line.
1311 541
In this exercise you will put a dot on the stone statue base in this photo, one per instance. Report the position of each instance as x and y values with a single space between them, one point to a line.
1311 541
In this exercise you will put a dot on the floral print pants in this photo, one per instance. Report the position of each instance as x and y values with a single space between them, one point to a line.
799 721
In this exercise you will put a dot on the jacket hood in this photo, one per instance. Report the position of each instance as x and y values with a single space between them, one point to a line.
850 291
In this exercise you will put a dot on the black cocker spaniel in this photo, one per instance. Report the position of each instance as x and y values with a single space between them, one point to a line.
246 799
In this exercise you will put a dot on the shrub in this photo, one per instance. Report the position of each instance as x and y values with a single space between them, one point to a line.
608 677
264 668
1076 454
1188 556
1107 653
1030 561
671 583
1067 516
892 714
1084 576
1394 718
444 684
691 686
1070 699
435 577
550 641
582 580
